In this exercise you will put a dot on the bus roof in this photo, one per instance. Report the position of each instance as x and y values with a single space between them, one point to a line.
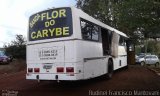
83 15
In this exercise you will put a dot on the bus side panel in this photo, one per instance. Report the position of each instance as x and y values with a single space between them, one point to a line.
71 58
93 65
94 68
121 60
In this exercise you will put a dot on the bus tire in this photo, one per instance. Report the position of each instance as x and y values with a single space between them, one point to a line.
110 69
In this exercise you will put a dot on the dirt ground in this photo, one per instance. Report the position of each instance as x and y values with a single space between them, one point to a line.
136 78
12 67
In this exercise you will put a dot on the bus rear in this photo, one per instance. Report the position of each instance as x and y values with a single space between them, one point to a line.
51 46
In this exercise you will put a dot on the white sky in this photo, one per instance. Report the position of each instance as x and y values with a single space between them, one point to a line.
14 15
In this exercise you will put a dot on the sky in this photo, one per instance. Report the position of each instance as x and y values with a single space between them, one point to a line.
14 15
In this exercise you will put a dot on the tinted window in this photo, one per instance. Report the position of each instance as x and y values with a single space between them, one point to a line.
86 30
89 30
122 41
95 32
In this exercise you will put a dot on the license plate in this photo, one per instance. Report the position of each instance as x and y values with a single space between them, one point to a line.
47 66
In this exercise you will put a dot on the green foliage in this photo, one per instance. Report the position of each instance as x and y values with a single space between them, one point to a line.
17 47
99 9
153 47
128 16
137 49
139 15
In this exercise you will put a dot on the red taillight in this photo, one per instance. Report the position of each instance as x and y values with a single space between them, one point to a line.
36 69
60 69
69 69
30 69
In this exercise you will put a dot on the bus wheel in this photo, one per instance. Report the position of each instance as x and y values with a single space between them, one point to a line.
110 69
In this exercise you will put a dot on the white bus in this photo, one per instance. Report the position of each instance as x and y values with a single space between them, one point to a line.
68 44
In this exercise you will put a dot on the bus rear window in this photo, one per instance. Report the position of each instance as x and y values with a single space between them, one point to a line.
49 24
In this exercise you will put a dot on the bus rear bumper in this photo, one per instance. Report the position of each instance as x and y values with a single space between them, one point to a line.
70 76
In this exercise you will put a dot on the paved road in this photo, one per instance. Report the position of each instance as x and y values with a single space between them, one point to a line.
135 78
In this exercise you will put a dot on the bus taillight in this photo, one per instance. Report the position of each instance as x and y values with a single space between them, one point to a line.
30 69
60 69
69 69
36 70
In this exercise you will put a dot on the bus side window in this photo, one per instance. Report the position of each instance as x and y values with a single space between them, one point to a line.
122 41
95 33
89 30
86 30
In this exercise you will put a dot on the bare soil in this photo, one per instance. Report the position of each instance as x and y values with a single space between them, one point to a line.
15 66
135 78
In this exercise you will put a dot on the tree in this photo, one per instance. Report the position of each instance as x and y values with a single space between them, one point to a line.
139 15
17 47
128 16
99 9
